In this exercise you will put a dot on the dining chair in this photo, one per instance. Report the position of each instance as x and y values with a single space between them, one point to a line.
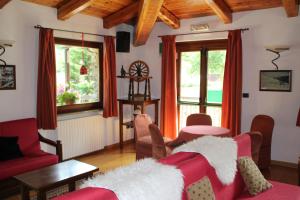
198 119
264 124
159 147
256 141
143 143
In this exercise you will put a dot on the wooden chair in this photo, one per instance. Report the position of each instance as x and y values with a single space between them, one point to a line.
159 147
198 119
256 141
264 124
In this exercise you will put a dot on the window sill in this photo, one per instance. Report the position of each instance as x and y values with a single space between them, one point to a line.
77 115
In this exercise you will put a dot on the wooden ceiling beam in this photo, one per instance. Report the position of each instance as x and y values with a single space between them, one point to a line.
72 7
3 3
147 15
121 16
169 18
221 9
291 7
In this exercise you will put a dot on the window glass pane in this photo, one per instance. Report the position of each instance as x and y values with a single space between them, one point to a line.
215 113
215 75
190 76
71 86
185 111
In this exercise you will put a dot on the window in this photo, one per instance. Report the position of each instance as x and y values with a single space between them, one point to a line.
200 67
76 92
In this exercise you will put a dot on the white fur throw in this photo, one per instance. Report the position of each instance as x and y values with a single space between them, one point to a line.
143 180
221 154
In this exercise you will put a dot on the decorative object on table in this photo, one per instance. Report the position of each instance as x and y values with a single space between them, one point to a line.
123 72
67 98
83 68
275 80
138 72
7 77
277 51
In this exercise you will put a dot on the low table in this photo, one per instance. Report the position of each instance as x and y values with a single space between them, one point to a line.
47 178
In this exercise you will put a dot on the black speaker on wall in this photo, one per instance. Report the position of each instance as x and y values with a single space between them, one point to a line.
123 41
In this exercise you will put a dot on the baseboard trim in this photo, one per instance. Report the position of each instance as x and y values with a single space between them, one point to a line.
108 147
284 164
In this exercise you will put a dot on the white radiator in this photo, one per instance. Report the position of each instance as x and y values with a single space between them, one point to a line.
81 136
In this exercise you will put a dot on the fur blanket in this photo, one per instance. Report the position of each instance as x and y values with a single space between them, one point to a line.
221 153
143 180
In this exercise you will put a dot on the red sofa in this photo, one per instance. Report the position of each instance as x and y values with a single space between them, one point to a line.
34 158
194 167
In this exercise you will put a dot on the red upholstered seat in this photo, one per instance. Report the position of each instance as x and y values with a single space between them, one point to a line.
17 166
27 132
280 191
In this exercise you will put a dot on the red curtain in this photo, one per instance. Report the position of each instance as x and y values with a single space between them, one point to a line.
232 86
46 86
110 108
168 118
298 119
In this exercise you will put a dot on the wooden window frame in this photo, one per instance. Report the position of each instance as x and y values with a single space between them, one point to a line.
86 106
203 47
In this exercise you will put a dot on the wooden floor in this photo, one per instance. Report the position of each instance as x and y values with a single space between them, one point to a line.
113 158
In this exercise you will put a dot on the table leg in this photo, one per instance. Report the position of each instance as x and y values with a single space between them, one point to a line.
72 186
156 113
41 195
24 192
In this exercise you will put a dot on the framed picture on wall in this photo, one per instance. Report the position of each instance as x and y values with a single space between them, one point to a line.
275 80
7 77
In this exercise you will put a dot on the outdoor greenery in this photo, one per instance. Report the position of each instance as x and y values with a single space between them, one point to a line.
85 87
66 98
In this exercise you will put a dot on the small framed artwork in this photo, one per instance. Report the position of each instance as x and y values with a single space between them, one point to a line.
275 80
7 77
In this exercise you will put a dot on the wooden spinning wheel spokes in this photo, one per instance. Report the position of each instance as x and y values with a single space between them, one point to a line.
139 70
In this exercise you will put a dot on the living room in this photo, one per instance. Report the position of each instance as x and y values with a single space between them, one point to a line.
81 133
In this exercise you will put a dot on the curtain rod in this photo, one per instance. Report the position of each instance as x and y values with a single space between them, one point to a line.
63 30
218 31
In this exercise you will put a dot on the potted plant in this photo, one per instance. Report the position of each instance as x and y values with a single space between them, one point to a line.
67 98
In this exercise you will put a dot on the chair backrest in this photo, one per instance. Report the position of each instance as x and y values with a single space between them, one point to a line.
256 141
263 124
158 145
141 125
198 119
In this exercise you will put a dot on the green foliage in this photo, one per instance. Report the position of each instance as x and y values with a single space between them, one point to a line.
66 98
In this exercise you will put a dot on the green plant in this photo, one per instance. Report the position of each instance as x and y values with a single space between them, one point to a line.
67 98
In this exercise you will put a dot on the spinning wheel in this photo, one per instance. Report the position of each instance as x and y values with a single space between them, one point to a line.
139 70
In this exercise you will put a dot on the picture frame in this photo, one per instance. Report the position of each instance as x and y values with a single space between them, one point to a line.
7 77
275 80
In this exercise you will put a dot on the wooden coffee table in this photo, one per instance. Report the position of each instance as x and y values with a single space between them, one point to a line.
47 178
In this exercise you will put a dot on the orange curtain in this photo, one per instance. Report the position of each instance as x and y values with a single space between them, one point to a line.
46 86
168 118
110 108
298 119
232 86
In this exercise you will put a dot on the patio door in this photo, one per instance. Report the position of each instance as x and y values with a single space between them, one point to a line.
200 67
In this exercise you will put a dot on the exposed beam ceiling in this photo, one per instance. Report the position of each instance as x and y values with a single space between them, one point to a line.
121 16
72 7
221 9
169 18
3 3
291 7
148 13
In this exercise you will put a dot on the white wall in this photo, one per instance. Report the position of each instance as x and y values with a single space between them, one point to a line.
267 27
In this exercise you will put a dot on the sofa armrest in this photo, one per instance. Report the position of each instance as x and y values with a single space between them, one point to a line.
56 144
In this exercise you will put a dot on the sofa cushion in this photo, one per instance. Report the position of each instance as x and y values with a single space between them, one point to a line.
201 190
279 191
253 178
27 132
17 166
9 148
